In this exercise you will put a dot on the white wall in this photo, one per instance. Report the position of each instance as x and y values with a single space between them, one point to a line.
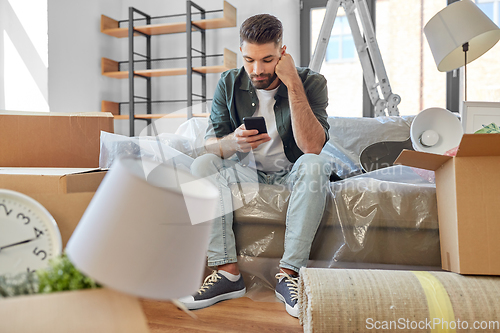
76 47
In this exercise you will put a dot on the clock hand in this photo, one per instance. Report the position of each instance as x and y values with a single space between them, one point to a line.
18 243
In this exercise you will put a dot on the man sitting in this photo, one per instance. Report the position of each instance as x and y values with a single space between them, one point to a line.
293 102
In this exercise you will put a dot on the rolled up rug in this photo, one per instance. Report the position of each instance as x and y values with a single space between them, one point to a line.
350 300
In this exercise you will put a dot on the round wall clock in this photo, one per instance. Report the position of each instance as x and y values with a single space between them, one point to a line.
29 235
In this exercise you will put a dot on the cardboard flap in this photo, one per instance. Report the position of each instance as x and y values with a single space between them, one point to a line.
51 180
46 171
479 145
56 114
83 182
421 160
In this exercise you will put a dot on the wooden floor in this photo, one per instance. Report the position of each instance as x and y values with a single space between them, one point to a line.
237 315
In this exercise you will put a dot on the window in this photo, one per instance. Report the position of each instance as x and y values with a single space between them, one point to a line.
482 73
341 44
341 65
407 58
490 8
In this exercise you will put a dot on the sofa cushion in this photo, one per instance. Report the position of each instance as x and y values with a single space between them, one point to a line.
358 202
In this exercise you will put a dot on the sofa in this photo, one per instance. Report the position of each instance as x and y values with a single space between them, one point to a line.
385 218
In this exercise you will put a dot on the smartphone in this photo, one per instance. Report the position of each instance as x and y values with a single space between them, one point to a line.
258 123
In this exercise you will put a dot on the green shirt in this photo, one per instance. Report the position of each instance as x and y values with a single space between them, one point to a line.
235 98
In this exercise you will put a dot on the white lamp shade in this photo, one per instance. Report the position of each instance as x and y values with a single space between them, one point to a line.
455 25
435 130
136 235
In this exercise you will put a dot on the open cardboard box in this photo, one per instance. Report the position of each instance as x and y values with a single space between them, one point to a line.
468 197
64 192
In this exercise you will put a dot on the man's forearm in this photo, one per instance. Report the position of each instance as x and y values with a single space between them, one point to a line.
220 147
307 130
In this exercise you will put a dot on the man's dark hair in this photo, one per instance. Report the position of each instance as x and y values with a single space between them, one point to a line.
261 29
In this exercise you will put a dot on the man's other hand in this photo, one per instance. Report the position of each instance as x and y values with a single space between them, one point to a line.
285 69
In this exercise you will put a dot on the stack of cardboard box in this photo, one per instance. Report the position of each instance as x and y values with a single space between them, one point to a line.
54 158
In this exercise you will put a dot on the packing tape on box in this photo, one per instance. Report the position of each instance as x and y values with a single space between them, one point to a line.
438 301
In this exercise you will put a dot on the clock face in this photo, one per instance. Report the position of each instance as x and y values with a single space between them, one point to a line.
29 236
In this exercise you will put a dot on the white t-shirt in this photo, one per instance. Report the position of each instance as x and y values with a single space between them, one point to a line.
269 156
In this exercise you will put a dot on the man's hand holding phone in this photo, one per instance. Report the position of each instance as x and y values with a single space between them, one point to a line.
246 140
241 140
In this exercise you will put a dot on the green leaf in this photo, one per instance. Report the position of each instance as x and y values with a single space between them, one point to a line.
62 275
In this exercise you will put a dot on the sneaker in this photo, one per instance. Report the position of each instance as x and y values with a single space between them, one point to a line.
215 288
287 291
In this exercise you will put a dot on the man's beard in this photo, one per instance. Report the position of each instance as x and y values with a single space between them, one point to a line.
263 84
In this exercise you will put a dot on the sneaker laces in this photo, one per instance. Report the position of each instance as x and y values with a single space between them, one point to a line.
209 281
292 283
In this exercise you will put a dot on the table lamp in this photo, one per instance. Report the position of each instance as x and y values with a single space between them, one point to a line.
146 230
459 34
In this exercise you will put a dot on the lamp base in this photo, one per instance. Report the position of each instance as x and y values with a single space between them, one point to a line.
465 48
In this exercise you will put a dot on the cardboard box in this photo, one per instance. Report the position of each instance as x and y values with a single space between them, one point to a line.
64 192
43 139
468 197
96 310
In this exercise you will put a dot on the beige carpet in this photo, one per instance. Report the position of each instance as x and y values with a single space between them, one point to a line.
344 300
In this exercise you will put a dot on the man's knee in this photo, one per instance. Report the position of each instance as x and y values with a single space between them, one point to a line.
205 165
314 165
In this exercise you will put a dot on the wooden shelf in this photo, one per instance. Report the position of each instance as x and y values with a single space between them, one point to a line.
111 27
114 108
110 68
158 116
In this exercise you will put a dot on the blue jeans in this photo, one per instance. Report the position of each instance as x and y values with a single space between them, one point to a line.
308 180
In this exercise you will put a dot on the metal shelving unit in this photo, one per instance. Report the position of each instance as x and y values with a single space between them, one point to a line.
111 68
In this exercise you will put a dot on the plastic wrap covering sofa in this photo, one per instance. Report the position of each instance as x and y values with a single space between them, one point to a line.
372 220
366 220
